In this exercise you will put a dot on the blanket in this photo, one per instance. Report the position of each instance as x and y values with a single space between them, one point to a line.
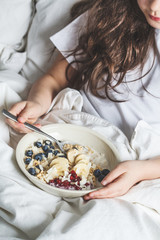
27 212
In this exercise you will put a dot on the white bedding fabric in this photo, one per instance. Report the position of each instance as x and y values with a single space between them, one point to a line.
27 212
15 18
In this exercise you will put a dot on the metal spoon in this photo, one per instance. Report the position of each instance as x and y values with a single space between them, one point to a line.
33 128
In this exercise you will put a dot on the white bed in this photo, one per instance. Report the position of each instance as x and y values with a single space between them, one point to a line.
26 212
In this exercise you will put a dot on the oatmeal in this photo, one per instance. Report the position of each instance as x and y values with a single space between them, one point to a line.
78 168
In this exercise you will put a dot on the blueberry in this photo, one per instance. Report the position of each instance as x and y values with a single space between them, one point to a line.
44 155
38 167
100 178
27 160
45 148
105 172
29 153
56 152
49 151
38 144
48 142
32 171
52 146
38 156
97 172
64 156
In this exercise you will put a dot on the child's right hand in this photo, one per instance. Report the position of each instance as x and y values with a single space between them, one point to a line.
26 111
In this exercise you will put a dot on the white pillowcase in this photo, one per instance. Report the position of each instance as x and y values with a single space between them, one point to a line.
50 17
15 17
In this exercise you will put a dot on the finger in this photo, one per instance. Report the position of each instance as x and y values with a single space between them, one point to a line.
22 129
38 125
17 108
24 115
100 194
114 174
23 112
114 189
19 127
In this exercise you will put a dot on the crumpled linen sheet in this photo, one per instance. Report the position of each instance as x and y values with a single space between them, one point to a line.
27 212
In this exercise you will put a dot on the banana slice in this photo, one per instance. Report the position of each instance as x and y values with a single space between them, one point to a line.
58 168
81 158
82 169
71 154
59 160
79 147
61 169
51 173
67 146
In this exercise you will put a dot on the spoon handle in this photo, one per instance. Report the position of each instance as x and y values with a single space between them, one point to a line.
32 127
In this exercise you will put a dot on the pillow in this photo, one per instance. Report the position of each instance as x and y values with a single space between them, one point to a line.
50 17
15 17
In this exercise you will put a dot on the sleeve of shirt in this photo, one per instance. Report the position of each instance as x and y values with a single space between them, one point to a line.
67 39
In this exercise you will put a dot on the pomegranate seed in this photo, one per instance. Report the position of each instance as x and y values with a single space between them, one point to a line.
66 183
55 180
51 181
79 179
72 178
77 188
87 184
73 186
58 181
73 173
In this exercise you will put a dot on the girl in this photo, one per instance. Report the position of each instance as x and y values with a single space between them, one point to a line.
111 54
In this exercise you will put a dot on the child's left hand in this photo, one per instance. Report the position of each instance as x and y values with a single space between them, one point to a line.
120 180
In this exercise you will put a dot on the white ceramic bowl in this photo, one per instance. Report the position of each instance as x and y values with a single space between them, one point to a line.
72 133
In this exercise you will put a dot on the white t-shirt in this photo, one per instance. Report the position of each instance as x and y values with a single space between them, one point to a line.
140 105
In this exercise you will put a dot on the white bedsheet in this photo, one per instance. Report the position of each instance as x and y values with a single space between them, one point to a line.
27 212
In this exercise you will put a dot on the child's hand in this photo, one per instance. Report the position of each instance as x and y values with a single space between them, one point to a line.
120 180
26 111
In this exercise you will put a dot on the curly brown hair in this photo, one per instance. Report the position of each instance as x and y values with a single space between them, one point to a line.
117 39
